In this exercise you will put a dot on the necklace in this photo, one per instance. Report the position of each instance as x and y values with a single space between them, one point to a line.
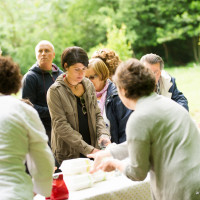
75 86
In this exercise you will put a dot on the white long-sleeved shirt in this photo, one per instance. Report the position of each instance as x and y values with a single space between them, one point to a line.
23 138
162 138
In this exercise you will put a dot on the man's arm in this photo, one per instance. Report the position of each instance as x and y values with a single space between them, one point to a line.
177 95
29 91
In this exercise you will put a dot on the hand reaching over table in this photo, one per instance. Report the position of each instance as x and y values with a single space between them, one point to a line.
98 157
95 151
110 164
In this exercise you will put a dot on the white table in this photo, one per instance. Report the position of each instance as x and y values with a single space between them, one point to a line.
117 188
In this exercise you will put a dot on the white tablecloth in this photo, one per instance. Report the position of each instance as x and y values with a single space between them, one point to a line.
117 188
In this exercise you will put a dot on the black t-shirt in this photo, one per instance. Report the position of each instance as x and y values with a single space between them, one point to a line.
83 121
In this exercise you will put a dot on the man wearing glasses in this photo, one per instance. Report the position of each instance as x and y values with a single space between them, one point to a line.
165 84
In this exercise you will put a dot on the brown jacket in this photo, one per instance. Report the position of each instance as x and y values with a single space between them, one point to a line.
66 141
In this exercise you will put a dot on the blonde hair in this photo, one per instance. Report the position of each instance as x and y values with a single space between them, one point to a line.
99 68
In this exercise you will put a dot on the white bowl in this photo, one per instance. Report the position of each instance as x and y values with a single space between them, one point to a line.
78 182
76 166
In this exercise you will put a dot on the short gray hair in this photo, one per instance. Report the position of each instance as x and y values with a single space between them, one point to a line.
45 42
152 59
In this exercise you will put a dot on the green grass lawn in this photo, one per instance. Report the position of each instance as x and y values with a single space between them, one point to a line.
188 82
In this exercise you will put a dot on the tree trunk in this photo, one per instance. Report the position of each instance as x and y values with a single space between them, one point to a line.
196 49
166 51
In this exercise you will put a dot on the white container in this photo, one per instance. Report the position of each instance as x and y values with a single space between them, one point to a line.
76 166
99 176
78 182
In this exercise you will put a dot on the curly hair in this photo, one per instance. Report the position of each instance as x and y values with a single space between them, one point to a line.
110 58
73 55
135 79
10 76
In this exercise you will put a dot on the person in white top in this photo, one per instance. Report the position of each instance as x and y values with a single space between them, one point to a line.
162 138
22 139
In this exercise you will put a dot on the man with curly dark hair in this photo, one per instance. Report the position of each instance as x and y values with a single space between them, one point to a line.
22 139
162 138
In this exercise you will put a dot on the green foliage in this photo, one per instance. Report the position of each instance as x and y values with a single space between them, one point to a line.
187 79
186 21
150 26
182 22
117 41
86 21
34 21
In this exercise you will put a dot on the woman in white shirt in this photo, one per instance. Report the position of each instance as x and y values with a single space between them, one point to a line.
22 138
162 138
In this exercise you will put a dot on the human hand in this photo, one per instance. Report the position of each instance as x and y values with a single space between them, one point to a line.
55 168
98 157
104 141
111 164
94 151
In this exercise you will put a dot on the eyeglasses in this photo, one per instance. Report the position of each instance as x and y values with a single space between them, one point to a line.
92 77
82 100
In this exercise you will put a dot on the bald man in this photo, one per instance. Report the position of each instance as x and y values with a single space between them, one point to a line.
38 79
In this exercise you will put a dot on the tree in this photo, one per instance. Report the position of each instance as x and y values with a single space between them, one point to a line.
181 21
26 22
165 27
117 41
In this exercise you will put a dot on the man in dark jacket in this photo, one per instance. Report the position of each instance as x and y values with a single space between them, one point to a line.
166 84
38 79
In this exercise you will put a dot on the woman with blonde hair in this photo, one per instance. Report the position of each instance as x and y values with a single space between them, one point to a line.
115 114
